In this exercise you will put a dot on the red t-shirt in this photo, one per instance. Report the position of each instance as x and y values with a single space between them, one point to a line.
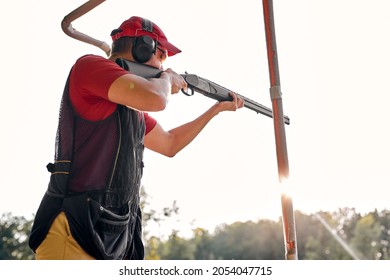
89 82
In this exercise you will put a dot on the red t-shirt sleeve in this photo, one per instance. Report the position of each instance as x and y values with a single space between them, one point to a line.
90 80
150 123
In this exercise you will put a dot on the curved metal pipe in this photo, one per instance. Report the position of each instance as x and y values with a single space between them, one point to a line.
66 26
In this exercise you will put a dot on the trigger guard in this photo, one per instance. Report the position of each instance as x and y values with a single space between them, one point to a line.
188 92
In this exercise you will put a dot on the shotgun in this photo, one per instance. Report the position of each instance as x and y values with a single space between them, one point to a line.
197 84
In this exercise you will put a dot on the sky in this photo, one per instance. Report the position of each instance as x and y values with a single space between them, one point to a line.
333 62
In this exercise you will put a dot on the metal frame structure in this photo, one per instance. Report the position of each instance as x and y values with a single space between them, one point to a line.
276 98
66 25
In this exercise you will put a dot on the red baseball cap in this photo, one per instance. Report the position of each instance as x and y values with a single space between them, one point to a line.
135 27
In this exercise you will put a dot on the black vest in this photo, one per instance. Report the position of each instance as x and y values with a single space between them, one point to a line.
95 180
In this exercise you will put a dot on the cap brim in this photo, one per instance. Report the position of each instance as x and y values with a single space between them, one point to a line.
172 50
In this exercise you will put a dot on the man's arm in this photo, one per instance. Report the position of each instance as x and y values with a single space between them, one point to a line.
145 94
169 143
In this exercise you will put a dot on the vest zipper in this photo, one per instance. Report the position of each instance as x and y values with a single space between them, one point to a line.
117 152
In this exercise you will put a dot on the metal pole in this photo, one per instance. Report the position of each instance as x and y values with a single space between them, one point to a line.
280 135
70 31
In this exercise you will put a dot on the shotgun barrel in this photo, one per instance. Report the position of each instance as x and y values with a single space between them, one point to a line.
197 84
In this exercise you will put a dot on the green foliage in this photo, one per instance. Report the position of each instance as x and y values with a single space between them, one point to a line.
320 236
177 248
342 235
203 242
367 237
14 233
151 216
315 241
249 240
152 248
383 219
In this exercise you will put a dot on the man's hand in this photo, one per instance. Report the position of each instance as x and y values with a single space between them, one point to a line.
176 80
233 105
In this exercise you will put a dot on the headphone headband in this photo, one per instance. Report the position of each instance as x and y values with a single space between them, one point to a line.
147 25
144 46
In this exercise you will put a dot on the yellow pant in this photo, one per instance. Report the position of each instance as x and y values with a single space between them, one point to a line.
59 243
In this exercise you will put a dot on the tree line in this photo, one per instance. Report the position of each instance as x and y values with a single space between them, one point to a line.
340 235
343 234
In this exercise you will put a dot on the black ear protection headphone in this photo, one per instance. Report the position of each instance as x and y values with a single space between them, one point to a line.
144 46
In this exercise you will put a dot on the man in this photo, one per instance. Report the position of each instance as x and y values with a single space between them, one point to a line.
91 208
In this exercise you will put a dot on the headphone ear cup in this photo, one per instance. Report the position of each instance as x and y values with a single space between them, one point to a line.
143 48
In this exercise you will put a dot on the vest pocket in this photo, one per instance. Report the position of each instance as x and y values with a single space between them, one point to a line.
110 231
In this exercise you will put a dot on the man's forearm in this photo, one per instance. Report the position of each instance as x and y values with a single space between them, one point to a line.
186 133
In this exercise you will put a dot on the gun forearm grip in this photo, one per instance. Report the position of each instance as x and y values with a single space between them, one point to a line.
220 93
